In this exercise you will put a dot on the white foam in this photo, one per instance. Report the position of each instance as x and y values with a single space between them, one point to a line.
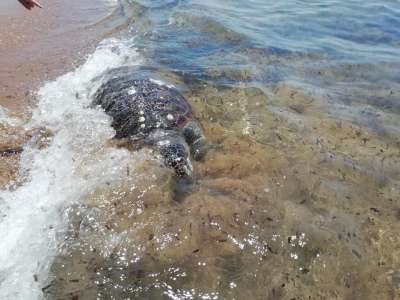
59 175
3 115
8 120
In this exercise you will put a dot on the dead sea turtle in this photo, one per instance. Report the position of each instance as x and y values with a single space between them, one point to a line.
151 113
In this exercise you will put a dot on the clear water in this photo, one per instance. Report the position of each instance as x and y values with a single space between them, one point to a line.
298 199
346 52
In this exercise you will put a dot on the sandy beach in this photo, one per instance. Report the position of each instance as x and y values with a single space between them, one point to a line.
41 44
37 46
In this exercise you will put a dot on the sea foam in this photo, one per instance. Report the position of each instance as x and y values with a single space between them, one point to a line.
59 175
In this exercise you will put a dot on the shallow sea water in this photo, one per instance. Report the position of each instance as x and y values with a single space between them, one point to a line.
298 197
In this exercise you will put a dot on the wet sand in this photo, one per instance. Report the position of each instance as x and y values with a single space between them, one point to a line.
41 44
37 46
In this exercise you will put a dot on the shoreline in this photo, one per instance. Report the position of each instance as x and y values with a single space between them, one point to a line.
42 44
38 46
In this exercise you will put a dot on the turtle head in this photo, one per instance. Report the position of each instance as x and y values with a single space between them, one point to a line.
175 151
176 156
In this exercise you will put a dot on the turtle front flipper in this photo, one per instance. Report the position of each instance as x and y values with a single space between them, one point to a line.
195 138
174 150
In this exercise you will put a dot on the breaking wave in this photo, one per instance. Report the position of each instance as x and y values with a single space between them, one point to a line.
31 215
